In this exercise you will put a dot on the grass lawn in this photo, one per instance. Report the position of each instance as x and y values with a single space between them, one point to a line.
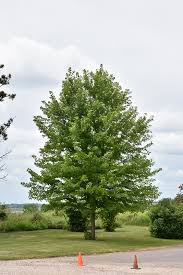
49 243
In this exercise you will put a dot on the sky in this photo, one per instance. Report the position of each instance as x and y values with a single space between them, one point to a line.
140 42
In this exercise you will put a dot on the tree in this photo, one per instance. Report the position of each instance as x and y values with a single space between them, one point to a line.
4 80
96 150
179 196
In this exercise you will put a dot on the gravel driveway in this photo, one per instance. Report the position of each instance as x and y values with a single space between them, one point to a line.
161 261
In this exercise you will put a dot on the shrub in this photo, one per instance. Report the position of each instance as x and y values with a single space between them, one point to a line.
3 212
3 215
36 217
109 219
76 221
167 220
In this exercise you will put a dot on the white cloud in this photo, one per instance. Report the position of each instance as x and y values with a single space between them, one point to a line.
168 122
167 129
179 173
36 64
168 143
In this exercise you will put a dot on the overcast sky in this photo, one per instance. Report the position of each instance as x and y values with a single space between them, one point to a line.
140 42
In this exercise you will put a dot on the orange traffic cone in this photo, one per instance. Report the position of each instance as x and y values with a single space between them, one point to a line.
135 263
80 260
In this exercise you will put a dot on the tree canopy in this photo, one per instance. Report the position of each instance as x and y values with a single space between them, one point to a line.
96 151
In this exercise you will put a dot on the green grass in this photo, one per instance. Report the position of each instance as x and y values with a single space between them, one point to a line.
51 243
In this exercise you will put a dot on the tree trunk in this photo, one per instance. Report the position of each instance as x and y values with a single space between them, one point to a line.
92 217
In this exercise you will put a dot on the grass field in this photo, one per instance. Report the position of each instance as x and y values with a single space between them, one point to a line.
50 243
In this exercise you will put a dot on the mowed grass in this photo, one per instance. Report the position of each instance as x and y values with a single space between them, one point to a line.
52 243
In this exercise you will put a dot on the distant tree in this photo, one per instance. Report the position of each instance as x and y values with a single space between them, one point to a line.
4 80
96 150
179 196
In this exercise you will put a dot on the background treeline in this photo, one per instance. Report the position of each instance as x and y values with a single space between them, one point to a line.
20 206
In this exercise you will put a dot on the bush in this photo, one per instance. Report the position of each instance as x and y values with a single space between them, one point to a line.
3 215
167 220
131 218
76 221
109 219
3 212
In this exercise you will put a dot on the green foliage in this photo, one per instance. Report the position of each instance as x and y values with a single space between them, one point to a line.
36 217
3 215
56 220
45 207
21 222
30 208
96 148
76 221
179 196
133 218
3 212
108 217
32 221
99 223
167 220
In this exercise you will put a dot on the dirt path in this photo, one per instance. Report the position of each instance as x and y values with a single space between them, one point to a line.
163 261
